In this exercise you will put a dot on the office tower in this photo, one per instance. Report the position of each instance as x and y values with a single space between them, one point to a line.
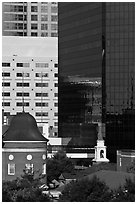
30 19
120 75
30 79
80 61
96 40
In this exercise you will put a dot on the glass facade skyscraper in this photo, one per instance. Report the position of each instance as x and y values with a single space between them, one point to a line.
96 43
120 75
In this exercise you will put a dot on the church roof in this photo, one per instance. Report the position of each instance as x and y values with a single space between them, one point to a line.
23 127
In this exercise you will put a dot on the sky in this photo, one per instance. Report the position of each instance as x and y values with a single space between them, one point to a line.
29 46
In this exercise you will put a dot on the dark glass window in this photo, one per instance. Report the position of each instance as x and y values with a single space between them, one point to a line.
55 94
5 64
41 114
34 17
41 84
22 64
23 84
5 74
34 26
22 104
41 94
56 75
22 94
41 104
5 103
55 65
5 93
34 8
5 83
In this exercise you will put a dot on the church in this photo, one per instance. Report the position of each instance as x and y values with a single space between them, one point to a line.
24 148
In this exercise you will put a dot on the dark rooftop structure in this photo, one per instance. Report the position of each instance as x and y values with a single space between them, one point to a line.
23 127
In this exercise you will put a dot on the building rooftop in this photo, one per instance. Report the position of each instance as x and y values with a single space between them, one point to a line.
23 127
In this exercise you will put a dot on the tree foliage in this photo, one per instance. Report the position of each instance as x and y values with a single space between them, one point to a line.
125 193
23 189
60 163
86 190
94 190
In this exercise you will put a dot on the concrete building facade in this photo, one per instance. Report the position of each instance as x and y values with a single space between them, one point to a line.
30 82
30 19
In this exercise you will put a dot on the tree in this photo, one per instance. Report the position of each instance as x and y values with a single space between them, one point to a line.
58 164
23 189
125 193
86 190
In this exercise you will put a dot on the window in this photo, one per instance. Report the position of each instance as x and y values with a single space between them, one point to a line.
44 34
34 26
5 74
22 104
41 114
41 84
44 9
41 104
56 75
5 103
54 9
6 113
34 17
55 94
55 123
44 169
5 64
22 94
22 74
56 84
44 26
41 75
54 26
5 83
54 18
54 34
42 64
34 8
5 93
55 65
11 169
34 34
44 17
55 114
23 84
41 94
22 64
55 104
55 134
29 168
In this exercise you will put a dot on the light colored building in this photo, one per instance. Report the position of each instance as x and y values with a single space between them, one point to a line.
30 19
30 79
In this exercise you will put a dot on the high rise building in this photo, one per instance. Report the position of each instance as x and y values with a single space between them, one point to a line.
96 41
30 19
30 79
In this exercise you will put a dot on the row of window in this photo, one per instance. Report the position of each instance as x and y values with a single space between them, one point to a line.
5 84
29 168
24 64
44 114
34 26
7 74
38 104
26 94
